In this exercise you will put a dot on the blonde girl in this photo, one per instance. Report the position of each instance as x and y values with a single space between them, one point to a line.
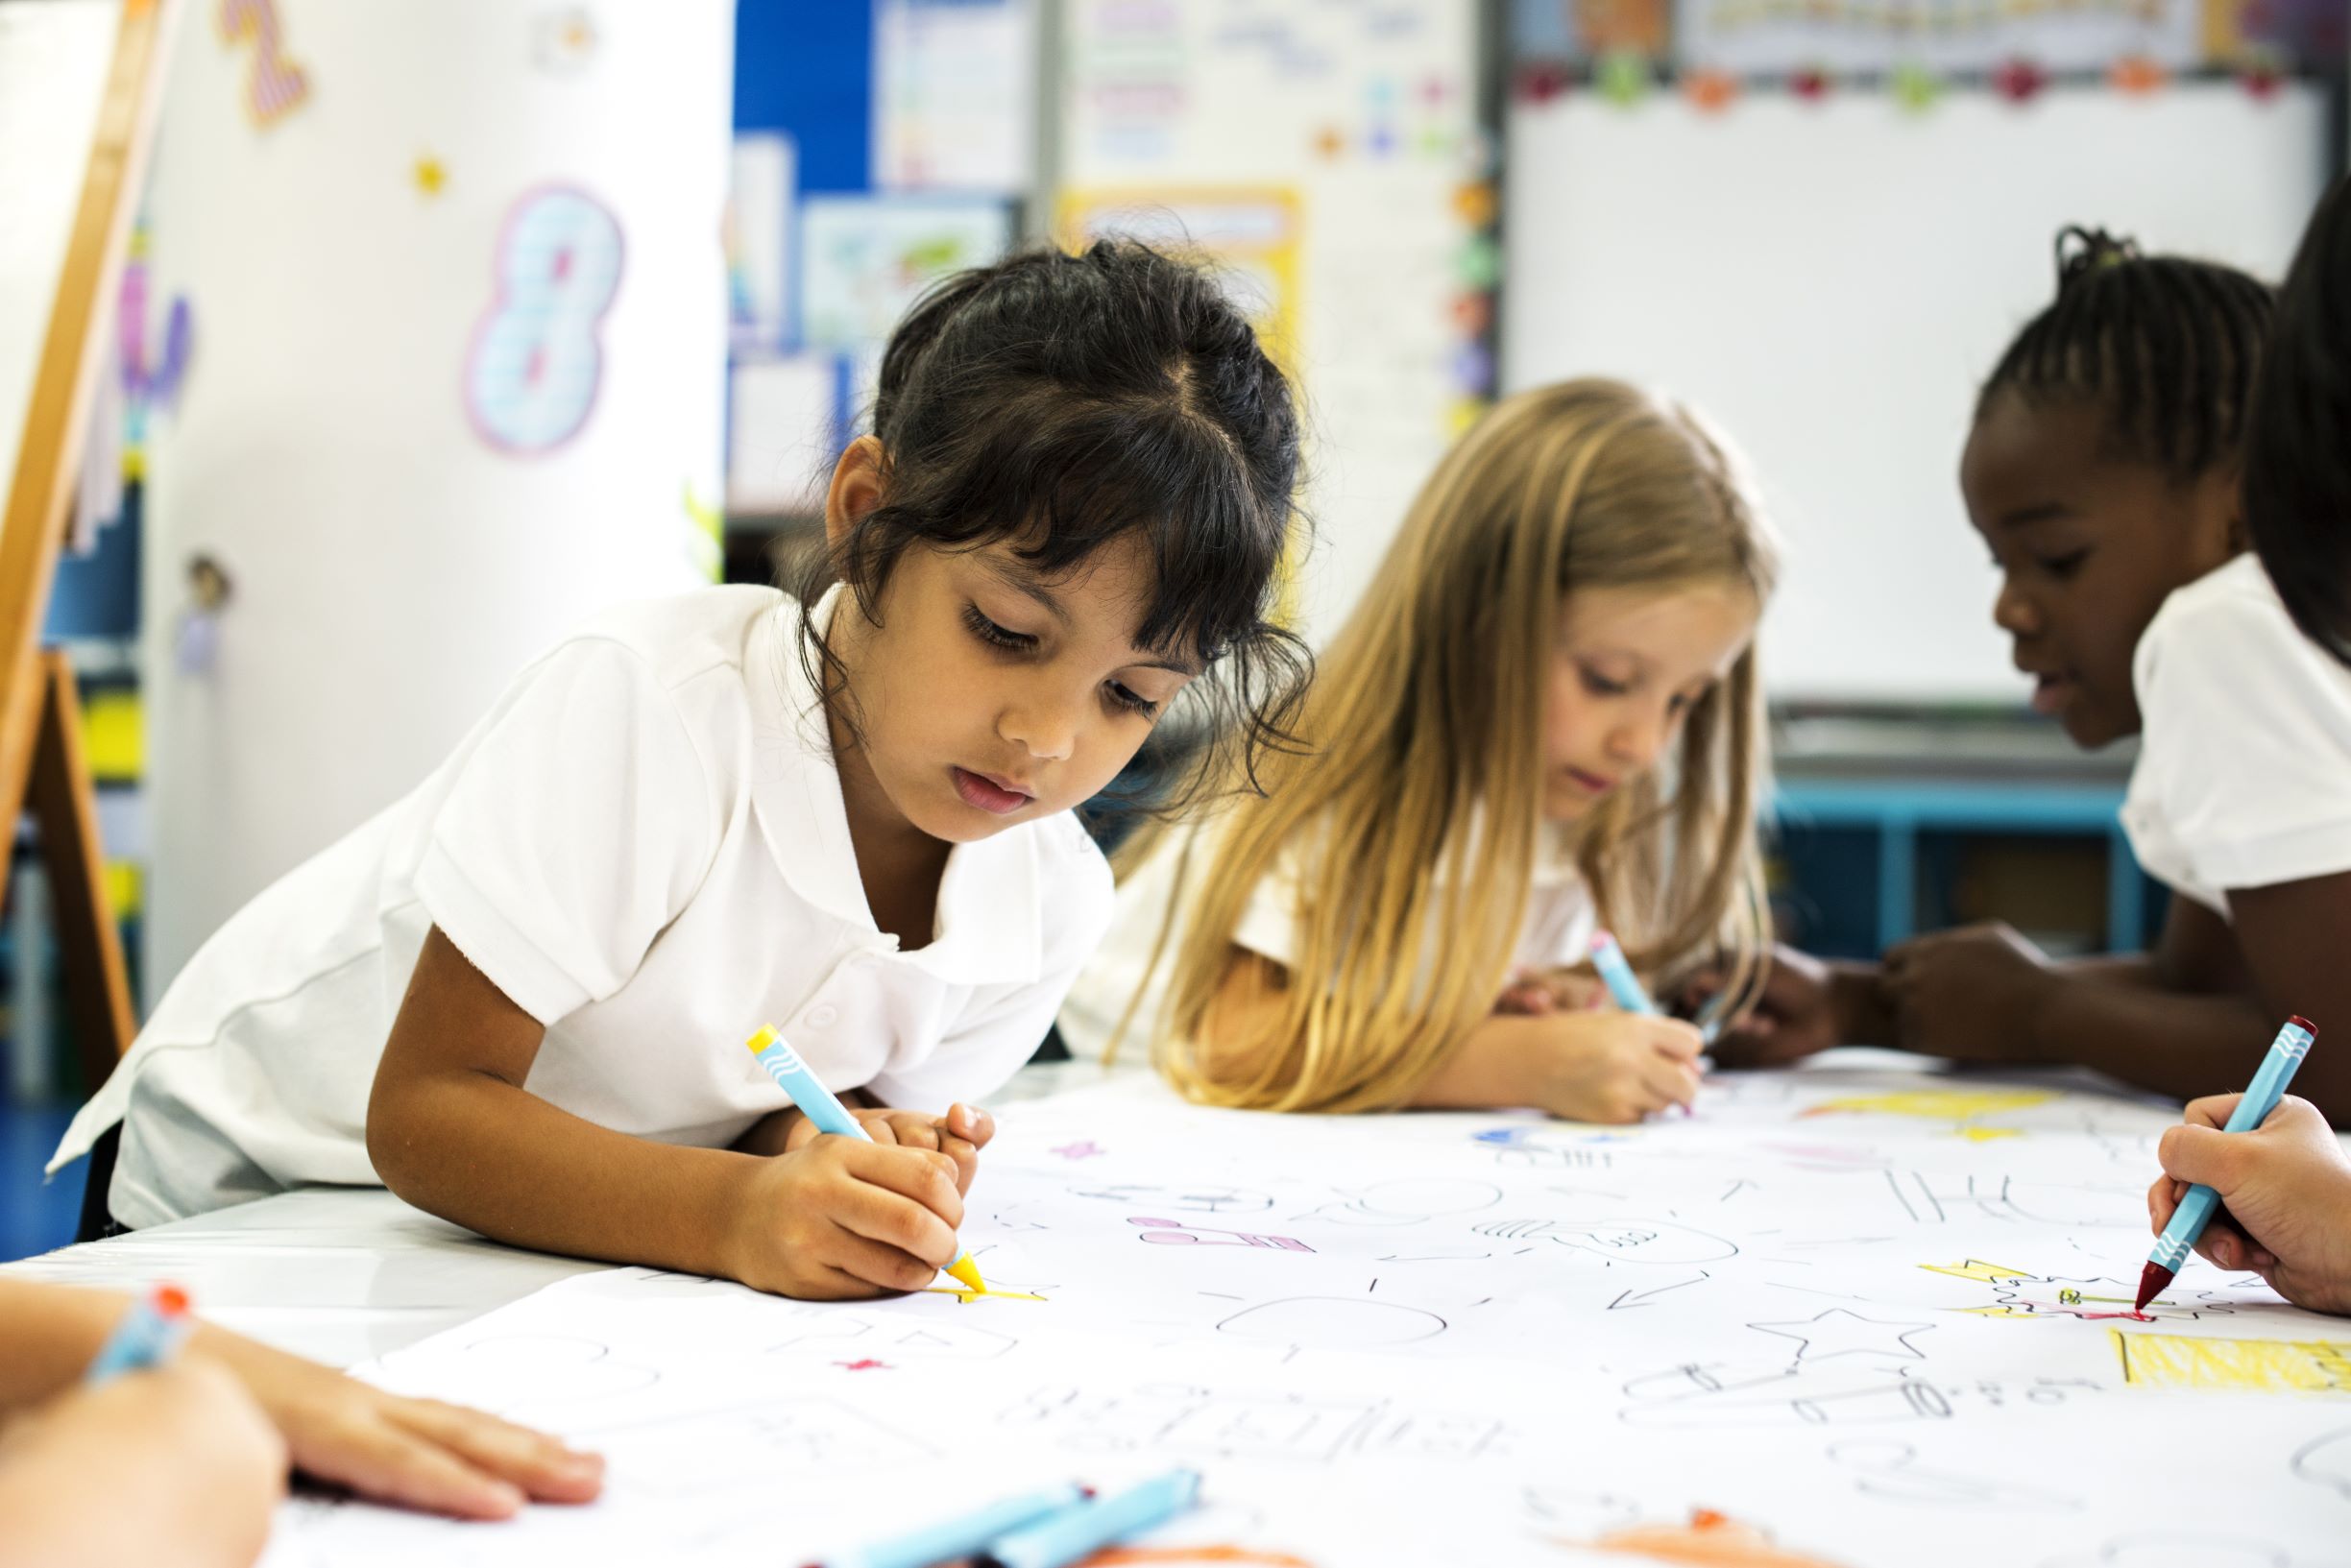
1543 717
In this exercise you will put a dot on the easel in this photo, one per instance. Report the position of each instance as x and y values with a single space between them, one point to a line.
42 767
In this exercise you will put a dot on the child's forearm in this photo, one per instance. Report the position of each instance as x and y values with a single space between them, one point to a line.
499 1160
52 1333
1494 1065
1858 1003
2183 1046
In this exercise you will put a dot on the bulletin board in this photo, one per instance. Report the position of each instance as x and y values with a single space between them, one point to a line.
1832 280
1358 123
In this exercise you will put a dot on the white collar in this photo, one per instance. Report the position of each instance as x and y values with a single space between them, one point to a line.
990 920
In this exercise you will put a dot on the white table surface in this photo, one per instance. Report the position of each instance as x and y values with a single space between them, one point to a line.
343 1274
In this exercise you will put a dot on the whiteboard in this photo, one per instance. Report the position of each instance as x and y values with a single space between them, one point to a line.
54 59
1831 281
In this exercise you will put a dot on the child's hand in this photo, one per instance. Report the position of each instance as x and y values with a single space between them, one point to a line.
837 1217
171 1465
1794 1016
419 1453
2287 1190
1533 994
1615 1067
1971 994
959 1135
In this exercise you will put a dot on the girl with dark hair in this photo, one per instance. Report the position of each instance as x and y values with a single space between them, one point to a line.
2286 1184
518 997
2103 474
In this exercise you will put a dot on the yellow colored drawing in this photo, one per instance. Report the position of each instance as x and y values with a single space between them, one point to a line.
2180 1360
967 1298
1964 1108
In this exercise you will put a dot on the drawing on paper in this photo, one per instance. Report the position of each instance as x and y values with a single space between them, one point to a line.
1890 1471
753 1444
2018 1293
1333 1322
1620 1240
1839 1332
1203 1199
1720 1394
2187 1548
1173 1232
1256 1428
2326 1462
1407 1201
1935 1199
1963 1108
1709 1538
829 1331
2180 1360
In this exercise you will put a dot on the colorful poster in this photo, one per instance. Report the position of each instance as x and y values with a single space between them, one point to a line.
864 259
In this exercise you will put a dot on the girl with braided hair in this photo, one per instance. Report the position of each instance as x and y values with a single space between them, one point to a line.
2103 471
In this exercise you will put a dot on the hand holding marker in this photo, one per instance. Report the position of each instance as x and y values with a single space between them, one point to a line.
816 1102
2196 1211
1626 987
147 1334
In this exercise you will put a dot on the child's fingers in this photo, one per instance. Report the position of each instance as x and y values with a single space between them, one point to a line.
2201 1154
966 1159
542 1466
924 1175
2223 1245
882 1265
969 1122
1676 1039
1670 1082
2212 1111
914 1131
383 1461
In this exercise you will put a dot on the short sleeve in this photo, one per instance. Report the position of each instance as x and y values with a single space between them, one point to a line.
2248 749
997 1028
1269 921
577 823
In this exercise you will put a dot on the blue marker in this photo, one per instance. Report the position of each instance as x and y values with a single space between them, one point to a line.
1074 1534
1617 976
147 1334
963 1534
816 1102
2196 1211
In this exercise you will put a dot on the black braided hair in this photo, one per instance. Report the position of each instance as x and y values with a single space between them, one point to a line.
1062 402
2297 482
2167 345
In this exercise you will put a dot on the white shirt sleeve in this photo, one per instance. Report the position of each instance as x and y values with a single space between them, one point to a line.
575 829
2247 755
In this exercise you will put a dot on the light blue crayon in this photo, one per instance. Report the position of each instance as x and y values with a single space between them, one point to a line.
1074 1534
148 1333
2196 1211
963 1534
1617 976
816 1102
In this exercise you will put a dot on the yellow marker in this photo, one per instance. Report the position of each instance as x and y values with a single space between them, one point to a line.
816 1102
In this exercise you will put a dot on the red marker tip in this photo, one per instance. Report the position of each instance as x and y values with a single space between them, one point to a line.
2151 1281
2304 1024
170 1300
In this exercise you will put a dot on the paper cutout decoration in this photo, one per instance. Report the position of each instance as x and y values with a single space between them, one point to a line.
564 40
1624 77
430 174
2137 74
1916 89
2018 80
531 377
1809 83
1540 81
276 85
1710 91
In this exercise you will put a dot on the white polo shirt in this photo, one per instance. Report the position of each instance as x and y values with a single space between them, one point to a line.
2244 777
1555 932
643 845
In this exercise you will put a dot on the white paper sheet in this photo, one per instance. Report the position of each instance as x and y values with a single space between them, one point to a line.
1871 1316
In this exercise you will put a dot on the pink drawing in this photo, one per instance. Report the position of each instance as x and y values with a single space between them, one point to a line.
276 85
1175 1233
867 1363
1084 1150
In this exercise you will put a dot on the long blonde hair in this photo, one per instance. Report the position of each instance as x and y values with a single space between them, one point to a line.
1420 775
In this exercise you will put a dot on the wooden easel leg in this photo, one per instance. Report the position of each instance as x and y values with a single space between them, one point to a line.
64 806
